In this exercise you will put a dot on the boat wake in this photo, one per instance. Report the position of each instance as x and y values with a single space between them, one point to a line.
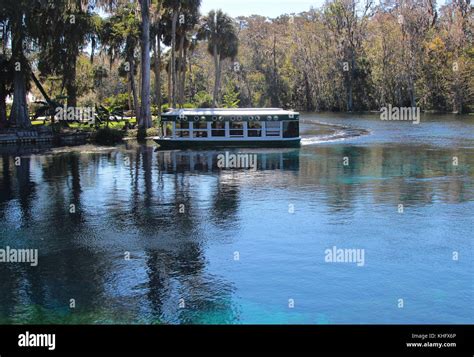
330 133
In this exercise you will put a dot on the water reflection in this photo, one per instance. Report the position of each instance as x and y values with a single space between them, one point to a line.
87 210
207 161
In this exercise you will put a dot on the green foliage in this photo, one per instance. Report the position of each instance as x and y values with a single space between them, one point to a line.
230 99
203 100
219 30
108 136
119 101
104 114
100 73
120 34
296 63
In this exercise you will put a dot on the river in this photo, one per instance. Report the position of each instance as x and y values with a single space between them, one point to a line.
132 235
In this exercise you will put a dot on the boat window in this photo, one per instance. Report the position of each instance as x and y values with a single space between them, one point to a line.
182 125
272 128
254 129
182 129
218 129
291 129
200 129
168 129
236 128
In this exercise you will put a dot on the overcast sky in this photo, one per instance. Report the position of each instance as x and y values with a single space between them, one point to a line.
270 8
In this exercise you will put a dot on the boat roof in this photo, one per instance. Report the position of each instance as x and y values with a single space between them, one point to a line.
230 111
236 113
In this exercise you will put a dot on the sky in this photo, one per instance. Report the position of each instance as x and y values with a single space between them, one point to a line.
270 8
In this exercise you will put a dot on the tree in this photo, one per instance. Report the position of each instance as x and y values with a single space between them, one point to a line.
120 36
416 18
186 12
70 24
144 121
348 26
456 26
156 35
189 19
219 31
19 17
6 85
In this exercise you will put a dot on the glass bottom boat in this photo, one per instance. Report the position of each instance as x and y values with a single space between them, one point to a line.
203 128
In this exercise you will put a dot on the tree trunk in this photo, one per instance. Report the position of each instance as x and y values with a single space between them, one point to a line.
145 112
3 107
177 80
217 77
181 71
44 94
40 88
136 107
3 92
173 58
457 106
275 92
156 70
350 104
411 87
170 94
93 44
183 77
19 112
129 92
158 79
71 88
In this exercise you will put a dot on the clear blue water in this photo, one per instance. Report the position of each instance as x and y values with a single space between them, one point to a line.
279 220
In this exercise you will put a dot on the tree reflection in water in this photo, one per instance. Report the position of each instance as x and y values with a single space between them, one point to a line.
166 209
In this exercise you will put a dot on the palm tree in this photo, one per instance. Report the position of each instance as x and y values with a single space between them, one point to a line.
184 34
119 37
219 31
144 122
178 8
156 33
144 114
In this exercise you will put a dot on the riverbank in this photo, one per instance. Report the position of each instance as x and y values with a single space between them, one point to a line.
110 133
41 136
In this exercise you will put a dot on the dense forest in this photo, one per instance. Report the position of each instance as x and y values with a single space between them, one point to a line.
145 56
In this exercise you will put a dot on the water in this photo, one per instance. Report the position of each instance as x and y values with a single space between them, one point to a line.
231 247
